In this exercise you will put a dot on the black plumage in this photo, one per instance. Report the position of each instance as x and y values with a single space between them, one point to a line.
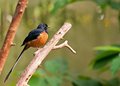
35 33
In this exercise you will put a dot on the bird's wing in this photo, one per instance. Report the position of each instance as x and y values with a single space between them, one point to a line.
31 36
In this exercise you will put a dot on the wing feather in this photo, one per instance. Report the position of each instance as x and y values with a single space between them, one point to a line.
31 36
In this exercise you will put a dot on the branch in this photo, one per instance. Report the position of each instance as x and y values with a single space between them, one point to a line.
41 54
11 32
65 44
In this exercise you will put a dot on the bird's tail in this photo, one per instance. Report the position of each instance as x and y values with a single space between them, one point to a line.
25 48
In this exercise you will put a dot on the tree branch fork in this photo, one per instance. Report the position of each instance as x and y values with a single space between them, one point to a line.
43 52
64 44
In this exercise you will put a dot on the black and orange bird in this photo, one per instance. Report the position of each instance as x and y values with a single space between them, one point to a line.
36 38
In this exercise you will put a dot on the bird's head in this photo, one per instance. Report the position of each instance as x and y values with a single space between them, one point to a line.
42 26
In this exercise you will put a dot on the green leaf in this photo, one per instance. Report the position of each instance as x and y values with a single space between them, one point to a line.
37 81
56 66
113 82
104 55
54 81
103 58
109 48
40 78
102 3
115 5
86 81
112 3
59 4
40 72
46 81
115 66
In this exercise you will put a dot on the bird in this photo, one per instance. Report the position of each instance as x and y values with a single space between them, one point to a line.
36 38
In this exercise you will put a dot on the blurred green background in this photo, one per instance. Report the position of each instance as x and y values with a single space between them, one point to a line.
94 23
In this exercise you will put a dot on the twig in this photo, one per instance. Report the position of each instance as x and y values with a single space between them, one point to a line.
11 32
65 44
41 54
13 44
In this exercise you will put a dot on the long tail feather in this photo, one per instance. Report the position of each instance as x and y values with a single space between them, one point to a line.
17 60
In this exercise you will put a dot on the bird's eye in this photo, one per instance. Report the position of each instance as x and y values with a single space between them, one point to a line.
46 25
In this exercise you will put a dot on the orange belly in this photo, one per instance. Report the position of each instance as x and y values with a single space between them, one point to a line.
40 41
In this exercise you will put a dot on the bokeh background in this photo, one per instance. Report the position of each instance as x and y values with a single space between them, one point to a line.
94 23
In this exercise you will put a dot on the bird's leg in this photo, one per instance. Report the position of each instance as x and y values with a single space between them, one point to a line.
38 49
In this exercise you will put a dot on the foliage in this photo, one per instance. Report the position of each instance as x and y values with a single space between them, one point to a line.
102 3
112 3
56 66
107 55
56 71
86 81
60 4
53 74
113 82
115 65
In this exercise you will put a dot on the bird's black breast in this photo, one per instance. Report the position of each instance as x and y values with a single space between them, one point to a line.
32 35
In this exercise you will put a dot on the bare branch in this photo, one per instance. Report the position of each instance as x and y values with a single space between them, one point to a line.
65 44
41 54
11 32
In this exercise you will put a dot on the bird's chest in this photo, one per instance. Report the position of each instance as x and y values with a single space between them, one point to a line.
40 41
